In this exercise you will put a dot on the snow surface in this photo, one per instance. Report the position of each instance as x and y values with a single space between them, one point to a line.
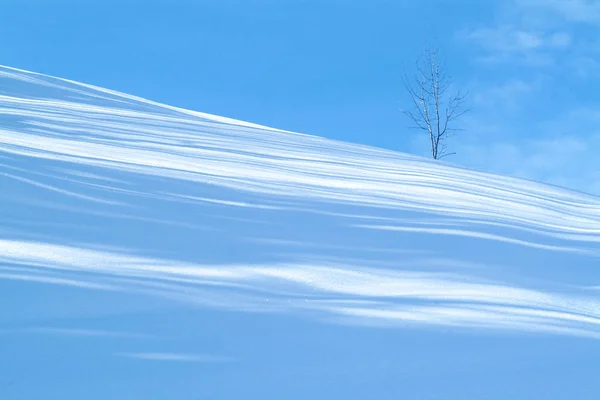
298 267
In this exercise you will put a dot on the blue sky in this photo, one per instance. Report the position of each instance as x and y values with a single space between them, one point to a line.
333 68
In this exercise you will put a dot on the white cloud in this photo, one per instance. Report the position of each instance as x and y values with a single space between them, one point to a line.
509 43
584 66
504 96
508 132
560 39
587 11
550 33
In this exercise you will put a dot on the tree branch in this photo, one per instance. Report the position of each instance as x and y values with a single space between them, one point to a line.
427 91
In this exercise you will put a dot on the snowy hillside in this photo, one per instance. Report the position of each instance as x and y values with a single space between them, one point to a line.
133 232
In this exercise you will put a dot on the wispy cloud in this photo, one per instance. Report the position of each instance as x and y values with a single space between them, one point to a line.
549 33
508 43
178 357
584 66
587 11
504 96
560 149
542 66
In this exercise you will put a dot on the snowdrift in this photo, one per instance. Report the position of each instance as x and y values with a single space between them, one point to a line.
104 191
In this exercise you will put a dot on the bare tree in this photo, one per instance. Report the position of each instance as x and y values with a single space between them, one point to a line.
433 110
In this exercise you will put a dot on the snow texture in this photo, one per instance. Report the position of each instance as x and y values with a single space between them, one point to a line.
111 193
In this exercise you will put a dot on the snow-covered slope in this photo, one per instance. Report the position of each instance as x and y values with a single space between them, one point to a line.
111 204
